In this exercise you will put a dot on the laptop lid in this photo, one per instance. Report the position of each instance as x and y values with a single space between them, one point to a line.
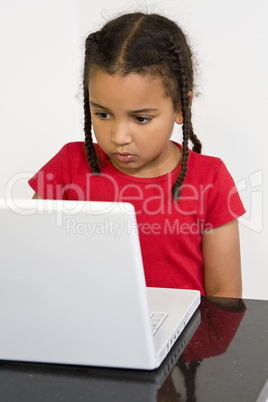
72 287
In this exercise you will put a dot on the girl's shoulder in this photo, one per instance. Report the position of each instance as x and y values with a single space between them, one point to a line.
201 163
196 158
207 169
74 147
79 148
76 151
204 164
205 161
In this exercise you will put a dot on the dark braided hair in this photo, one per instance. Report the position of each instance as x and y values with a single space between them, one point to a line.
147 44
91 154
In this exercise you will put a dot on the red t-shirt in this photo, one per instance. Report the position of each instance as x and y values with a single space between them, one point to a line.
170 232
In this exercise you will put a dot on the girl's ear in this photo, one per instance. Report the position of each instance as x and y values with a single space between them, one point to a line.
179 118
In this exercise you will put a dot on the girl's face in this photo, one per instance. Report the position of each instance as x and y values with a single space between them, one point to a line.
133 121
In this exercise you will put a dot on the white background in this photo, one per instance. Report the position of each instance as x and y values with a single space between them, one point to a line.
41 45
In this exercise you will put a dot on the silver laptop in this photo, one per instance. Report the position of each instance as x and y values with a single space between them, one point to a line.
72 288
53 382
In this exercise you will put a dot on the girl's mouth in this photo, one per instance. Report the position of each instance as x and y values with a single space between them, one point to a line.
123 156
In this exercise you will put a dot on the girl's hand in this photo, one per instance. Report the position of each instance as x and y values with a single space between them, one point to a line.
222 264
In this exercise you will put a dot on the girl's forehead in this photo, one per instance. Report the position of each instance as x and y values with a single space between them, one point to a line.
101 81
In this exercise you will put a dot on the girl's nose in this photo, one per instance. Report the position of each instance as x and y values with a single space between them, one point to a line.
120 133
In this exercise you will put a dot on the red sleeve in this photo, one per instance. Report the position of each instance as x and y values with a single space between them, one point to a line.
224 203
51 180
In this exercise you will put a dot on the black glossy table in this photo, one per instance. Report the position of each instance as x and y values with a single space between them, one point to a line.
222 355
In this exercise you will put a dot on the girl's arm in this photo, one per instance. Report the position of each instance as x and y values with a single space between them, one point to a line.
36 197
222 265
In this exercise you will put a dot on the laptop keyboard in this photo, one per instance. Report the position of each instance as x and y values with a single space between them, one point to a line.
157 320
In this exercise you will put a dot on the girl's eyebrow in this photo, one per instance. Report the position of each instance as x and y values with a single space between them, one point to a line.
97 105
146 110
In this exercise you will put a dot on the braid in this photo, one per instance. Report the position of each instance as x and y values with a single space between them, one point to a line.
187 130
197 146
188 134
91 154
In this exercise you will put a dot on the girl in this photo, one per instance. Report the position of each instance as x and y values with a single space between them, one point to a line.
138 82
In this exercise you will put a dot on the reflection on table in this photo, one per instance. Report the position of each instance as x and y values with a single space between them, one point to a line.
222 355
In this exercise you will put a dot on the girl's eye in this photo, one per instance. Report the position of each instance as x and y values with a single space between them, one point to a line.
142 120
102 115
